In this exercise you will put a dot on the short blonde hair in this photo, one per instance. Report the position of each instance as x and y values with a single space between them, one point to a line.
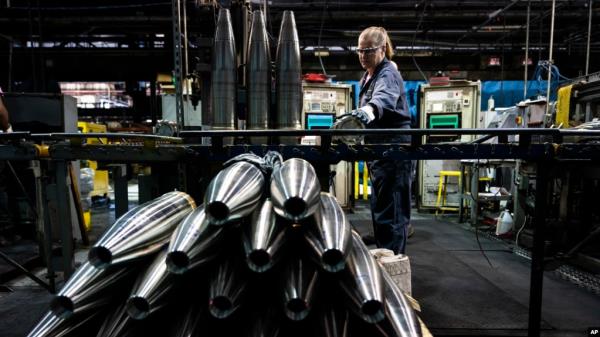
380 37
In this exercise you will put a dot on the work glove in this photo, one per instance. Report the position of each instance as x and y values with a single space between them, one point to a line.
366 114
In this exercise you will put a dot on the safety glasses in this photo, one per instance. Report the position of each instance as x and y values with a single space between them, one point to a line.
367 51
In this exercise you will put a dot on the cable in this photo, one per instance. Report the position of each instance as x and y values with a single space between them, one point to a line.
477 227
412 46
481 248
552 70
519 231
319 39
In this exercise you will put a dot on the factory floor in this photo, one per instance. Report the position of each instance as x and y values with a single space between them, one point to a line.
459 292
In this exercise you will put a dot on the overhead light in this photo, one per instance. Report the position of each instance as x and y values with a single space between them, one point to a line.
321 52
494 61
418 53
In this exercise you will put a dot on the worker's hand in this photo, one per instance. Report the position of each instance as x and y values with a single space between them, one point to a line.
9 130
365 114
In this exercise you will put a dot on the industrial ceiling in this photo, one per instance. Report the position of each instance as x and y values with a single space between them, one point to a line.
132 40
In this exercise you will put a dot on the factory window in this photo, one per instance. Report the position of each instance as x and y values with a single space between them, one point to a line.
97 95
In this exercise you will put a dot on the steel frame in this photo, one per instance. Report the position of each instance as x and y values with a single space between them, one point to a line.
545 147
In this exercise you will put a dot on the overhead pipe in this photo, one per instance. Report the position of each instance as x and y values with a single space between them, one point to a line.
589 36
550 58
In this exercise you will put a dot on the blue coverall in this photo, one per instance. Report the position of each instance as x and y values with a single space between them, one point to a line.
390 179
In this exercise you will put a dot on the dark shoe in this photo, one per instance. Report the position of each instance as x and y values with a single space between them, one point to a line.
411 230
368 239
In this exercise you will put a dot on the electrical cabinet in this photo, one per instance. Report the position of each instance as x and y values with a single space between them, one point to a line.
452 106
322 102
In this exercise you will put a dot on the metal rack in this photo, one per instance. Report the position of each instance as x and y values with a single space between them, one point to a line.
547 152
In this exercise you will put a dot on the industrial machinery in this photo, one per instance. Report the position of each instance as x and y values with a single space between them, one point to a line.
19 178
573 217
60 112
192 115
452 106
322 102
577 103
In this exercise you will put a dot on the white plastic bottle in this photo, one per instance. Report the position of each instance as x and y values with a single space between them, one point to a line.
491 102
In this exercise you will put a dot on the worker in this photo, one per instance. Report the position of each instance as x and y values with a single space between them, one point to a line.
4 123
382 104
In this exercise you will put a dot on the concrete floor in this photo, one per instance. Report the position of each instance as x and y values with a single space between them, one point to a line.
459 292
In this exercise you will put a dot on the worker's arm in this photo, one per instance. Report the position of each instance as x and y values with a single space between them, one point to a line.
4 121
4 124
386 94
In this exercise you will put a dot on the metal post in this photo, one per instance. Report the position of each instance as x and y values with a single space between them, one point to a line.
461 190
177 71
44 228
145 188
537 255
247 18
153 102
64 216
47 240
474 194
121 195
550 56
587 54
185 42
526 51
10 64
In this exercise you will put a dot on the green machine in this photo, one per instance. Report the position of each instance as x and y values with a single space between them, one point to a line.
454 105
321 103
